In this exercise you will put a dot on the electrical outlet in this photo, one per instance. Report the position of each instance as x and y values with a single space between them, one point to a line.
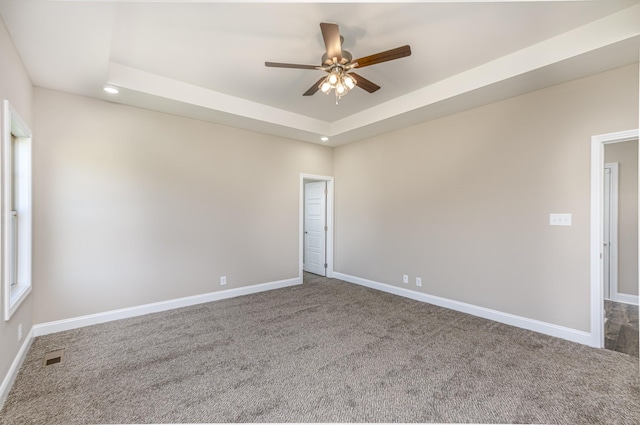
418 281
223 280
20 332
405 278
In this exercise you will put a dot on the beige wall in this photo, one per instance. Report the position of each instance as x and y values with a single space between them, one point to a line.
626 155
15 86
134 206
464 201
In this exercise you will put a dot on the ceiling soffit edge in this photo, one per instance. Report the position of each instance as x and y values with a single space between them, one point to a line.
618 27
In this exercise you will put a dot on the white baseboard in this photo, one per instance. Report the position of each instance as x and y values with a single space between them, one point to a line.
123 313
486 313
93 319
625 298
7 383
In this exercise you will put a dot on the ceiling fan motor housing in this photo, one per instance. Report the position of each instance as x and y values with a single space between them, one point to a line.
346 58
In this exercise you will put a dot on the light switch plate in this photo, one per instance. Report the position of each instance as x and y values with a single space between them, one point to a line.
559 219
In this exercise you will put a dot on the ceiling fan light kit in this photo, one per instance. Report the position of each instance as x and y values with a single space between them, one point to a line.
338 63
339 81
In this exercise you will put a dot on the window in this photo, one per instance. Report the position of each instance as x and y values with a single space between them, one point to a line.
16 210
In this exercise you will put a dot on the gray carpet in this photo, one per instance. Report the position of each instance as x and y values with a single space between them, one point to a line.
325 351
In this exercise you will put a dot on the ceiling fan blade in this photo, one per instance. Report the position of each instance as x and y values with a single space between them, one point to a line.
389 55
289 65
365 84
331 36
314 88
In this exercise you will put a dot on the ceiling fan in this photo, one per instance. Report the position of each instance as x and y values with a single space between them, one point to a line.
338 63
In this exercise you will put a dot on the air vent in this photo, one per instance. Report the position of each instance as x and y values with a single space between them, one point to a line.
53 357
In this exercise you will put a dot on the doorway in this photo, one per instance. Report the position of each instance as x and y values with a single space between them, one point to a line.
620 225
614 241
620 247
315 228
610 229
316 225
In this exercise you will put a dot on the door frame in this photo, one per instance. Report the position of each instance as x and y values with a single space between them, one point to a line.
614 176
597 228
329 240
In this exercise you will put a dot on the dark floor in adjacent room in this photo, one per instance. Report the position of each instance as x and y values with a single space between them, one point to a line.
621 327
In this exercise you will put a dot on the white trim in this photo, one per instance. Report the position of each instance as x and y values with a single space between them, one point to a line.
486 313
625 298
124 313
613 228
596 229
330 191
14 125
11 375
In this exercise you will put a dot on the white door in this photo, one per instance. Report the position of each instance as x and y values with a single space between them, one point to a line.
315 231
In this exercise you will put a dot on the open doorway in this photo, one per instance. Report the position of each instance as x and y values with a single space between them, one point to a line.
620 247
614 241
316 225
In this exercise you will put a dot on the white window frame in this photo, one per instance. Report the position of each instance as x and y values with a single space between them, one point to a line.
13 126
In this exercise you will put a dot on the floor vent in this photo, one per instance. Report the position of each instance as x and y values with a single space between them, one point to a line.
53 357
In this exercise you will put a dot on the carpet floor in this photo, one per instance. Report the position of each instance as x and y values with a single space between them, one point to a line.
325 351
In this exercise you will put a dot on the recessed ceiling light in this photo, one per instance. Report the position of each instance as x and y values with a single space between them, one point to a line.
324 138
111 89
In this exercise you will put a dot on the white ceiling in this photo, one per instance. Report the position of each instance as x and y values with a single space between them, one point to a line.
205 59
